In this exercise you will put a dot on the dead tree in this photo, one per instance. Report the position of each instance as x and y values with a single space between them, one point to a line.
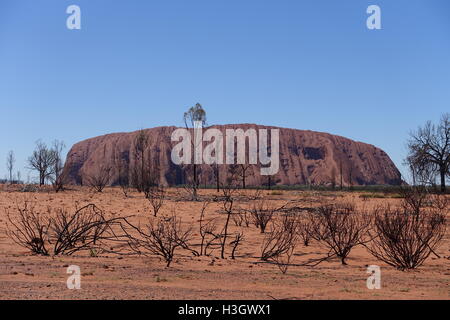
150 185
269 182
228 203
429 149
10 160
333 178
350 177
145 172
243 174
58 177
122 168
216 171
42 160
404 239
140 160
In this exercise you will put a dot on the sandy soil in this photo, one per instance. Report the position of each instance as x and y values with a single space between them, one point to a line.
26 276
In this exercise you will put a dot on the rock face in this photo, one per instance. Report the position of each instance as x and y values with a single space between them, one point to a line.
306 157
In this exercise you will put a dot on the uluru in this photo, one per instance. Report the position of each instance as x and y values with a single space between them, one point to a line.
306 158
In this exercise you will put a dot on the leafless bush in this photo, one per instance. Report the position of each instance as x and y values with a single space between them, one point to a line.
192 181
340 228
262 213
59 182
414 199
238 238
29 188
241 219
280 240
29 229
156 196
122 168
289 222
255 195
58 178
99 179
440 202
228 203
305 228
229 190
404 239
283 261
66 233
141 161
86 229
125 187
209 236
160 237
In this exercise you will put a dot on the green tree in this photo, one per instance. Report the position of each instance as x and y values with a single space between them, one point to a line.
194 118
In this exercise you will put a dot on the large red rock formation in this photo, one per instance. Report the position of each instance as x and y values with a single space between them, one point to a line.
306 157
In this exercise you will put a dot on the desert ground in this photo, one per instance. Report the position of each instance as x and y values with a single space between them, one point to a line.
117 276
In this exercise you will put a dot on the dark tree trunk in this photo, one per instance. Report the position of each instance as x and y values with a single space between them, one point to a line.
195 183
217 178
442 171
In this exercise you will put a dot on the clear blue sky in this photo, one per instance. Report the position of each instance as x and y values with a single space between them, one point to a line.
290 63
